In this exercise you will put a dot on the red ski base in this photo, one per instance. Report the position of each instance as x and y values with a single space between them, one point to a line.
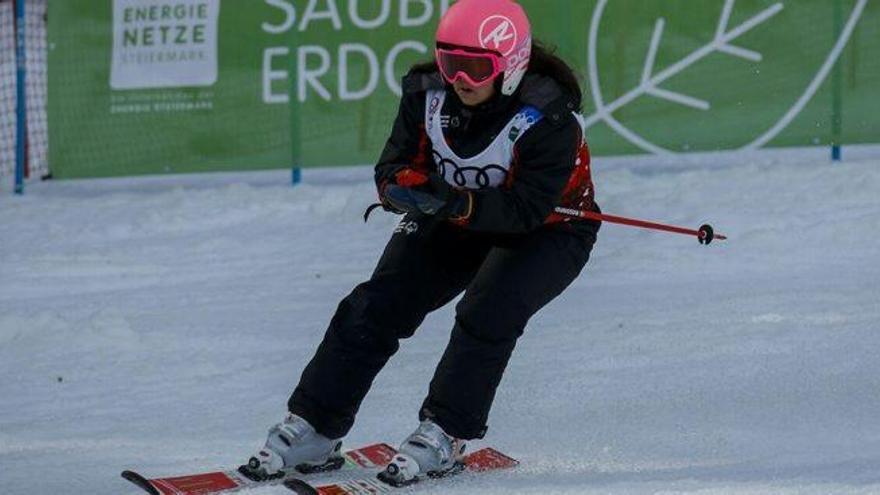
483 460
369 457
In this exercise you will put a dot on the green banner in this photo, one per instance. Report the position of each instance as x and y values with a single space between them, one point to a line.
659 76
159 86
155 86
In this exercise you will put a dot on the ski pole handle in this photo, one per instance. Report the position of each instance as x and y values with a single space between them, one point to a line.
705 234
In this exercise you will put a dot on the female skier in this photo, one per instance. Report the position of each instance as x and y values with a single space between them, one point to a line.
485 145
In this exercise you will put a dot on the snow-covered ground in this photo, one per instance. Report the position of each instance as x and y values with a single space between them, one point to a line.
160 324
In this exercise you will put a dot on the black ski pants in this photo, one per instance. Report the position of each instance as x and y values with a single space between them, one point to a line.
426 264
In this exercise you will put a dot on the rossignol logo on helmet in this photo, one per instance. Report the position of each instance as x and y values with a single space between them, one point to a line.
498 33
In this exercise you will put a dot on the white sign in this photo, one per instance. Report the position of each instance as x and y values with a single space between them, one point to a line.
164 43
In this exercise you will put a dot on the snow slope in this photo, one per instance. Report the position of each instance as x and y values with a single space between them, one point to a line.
161 323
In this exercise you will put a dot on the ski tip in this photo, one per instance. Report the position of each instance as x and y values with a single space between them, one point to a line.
500 455
141 482
489 459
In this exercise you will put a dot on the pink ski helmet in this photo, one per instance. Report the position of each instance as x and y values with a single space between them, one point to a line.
500 27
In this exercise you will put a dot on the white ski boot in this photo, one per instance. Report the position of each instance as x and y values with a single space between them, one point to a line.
429 451
294 444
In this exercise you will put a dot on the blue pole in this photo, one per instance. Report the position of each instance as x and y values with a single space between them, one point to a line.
297 175
837 90
20 109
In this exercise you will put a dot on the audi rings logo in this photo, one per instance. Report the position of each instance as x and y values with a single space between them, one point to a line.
498 33
469 176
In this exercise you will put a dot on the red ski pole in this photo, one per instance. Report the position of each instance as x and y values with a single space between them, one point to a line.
705 234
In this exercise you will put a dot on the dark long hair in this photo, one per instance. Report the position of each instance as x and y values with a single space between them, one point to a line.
544 61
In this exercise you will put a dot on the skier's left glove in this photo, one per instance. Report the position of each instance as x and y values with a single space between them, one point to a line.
401 175
435 197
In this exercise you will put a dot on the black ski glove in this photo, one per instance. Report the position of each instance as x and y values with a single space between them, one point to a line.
435 197
384 177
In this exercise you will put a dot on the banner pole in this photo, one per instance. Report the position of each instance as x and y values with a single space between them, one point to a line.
21 97
296 108
837 90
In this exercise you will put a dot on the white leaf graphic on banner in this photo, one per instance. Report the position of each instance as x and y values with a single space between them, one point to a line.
722 42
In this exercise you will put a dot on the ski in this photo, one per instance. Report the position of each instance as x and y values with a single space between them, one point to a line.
217 482
482 460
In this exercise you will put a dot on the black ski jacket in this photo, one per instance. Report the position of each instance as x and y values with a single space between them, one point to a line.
551 160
